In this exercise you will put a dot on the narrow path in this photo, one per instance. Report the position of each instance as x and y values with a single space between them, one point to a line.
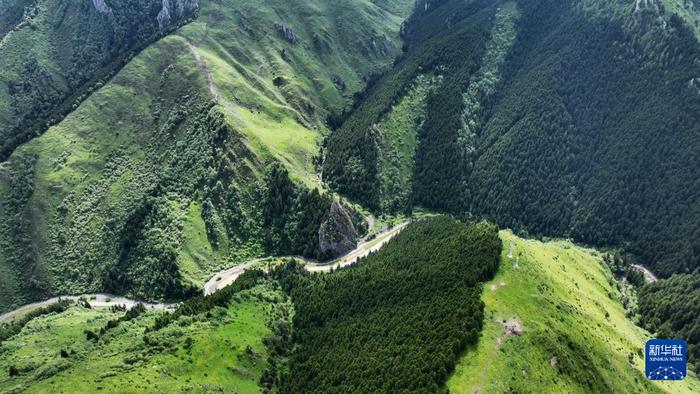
213 90
485 371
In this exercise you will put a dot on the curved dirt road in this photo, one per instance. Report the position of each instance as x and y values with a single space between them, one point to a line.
99 300
221 279
227 277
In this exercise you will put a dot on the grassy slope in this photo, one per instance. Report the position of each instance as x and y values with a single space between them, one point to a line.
75 49
689 10
100 161
240 46
398 144
217 360
560 293
106 164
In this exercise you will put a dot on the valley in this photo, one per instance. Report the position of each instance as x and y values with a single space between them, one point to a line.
222 279
540 309
348 196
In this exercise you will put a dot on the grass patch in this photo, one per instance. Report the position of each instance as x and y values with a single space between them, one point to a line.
575 338
222 351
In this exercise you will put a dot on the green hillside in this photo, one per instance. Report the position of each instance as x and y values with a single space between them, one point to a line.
165 174
574 118
573 334
55 53
222 350
421 315
148 147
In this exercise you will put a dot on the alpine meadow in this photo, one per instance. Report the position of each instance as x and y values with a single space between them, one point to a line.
349 196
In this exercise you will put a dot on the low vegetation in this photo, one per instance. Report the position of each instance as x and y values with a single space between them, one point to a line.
554 320
221 349
7 330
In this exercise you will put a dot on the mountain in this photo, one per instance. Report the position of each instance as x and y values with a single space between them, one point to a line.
564 118
180 163
55 53
414 317
299 196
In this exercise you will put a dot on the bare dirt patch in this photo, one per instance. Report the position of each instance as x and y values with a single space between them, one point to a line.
513 327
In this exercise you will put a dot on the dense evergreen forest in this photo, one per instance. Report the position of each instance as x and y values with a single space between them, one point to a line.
671 309
398 320
581 121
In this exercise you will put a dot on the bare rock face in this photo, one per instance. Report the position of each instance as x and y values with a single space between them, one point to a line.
287 33
338 234
169 11
163 17
102 7
184 7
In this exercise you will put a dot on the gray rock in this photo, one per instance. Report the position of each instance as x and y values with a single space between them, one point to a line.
163 17
287 33
169 11
102 7
185 7
338 234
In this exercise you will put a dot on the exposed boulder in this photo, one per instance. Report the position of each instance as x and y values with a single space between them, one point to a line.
287 33
338 233
513 327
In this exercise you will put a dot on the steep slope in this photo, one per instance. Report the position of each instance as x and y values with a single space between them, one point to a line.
196 155
554 320
671 308
54 53
574 118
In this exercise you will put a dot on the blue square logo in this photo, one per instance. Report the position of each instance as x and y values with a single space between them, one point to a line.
665 359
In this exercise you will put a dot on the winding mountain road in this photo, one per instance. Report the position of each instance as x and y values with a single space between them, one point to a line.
221 279
648 275
97 300
228 276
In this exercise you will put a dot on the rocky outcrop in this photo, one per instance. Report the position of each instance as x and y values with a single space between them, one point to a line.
102 7
639 4
287 33
185 7
164 17
381 47
168 11
338 234
692 85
